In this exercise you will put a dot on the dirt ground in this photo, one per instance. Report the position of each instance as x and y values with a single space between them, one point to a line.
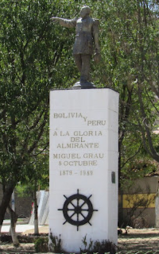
139 239
131 240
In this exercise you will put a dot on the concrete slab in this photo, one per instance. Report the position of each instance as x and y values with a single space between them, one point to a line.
19 228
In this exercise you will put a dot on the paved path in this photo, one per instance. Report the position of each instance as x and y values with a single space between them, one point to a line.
24 228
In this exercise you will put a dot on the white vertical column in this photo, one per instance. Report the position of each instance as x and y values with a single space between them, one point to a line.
83 161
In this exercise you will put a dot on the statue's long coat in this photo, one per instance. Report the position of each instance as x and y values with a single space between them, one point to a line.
85 31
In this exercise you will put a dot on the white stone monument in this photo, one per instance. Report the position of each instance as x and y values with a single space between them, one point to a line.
83 166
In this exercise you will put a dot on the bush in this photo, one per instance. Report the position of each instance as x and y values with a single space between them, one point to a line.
98 247
55 244
41 245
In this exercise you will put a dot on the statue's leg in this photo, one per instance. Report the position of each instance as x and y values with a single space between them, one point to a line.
85 70
78 61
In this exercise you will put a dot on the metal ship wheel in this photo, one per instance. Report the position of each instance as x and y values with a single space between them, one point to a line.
77 210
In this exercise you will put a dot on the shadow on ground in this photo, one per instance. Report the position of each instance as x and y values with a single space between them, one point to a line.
134 241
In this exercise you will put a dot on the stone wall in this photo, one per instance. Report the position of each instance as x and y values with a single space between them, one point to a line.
137 205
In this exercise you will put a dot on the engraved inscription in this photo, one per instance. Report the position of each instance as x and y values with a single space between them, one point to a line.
74 115
77 152
80 173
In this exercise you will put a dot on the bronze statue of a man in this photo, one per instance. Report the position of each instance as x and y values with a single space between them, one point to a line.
87 33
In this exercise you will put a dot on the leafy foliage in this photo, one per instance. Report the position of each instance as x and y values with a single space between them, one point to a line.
55 243
41 244
36 56
29 63
98 247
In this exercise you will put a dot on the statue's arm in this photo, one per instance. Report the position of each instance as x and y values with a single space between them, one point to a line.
96 35
65 22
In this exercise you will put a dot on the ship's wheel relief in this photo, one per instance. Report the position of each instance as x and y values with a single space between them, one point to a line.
77 210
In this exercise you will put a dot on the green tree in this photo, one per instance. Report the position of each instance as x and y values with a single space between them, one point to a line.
129 42
129 32
36 56
31 59
38 181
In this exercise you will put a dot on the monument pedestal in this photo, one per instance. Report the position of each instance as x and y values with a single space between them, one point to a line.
83 166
